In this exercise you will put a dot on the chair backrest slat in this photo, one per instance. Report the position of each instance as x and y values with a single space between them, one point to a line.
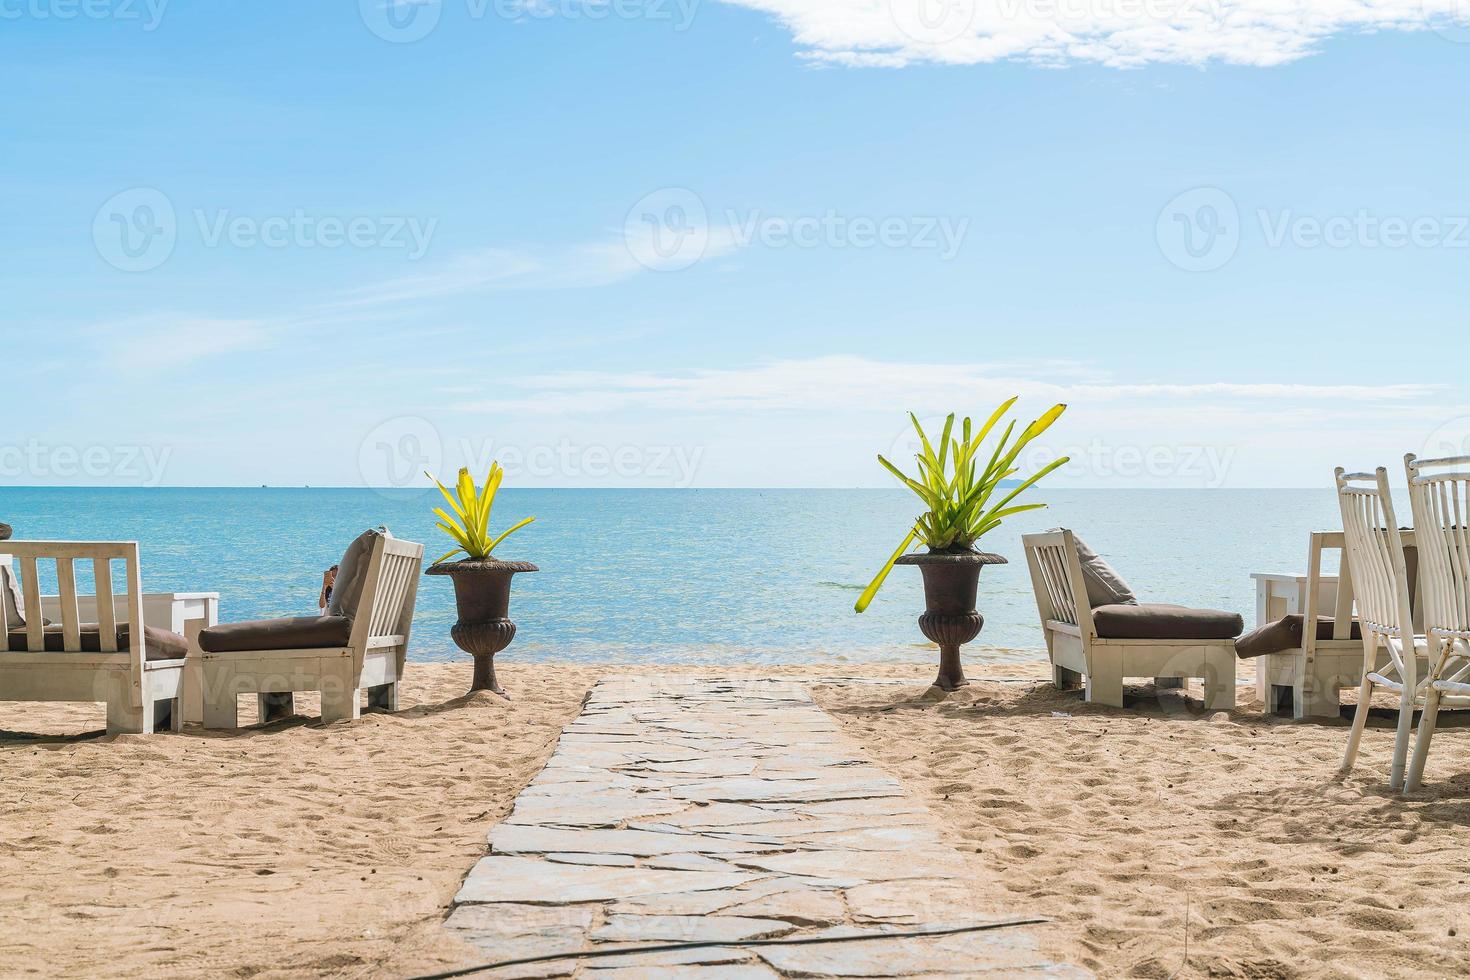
106 610
66 588
1375 553
1441 502
30 585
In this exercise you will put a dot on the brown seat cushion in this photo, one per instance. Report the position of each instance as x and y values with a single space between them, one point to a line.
296 633
1285 634
157 644
1158 621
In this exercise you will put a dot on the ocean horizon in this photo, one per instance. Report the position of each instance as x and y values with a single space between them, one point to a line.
683 576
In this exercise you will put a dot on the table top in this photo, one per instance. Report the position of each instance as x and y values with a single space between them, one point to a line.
1288 577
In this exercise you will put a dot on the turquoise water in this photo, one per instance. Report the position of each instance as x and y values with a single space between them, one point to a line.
685 576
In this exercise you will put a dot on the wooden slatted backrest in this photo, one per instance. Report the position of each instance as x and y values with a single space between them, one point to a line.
65 555
388 594
1056 579
1375 555
1439 492
1342 612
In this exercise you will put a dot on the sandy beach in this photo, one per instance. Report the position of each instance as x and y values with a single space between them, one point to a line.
342 846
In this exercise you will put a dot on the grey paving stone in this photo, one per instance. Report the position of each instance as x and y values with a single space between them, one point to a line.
523 839
529 880
686 809
687 928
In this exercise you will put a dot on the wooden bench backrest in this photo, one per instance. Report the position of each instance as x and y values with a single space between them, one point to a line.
388 596
1056 578
65 555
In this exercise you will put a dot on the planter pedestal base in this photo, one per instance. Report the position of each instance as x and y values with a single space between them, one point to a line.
951 631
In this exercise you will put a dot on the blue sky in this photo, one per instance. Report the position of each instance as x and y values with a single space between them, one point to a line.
720 244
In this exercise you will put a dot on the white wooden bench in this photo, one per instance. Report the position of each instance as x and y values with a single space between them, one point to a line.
372 656
58 666
1078 654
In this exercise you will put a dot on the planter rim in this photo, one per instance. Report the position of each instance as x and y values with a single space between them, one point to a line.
480 565
952 558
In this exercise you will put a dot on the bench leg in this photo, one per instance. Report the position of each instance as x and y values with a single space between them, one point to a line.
1220 680
384 697
275 706
1064 678
123 718
1105 679
221 707
341 701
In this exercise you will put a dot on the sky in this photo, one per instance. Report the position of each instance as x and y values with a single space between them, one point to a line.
689 243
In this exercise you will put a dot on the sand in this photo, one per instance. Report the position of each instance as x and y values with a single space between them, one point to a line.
1116 823
303 850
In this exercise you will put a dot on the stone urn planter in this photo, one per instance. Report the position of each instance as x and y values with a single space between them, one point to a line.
482 598
951 581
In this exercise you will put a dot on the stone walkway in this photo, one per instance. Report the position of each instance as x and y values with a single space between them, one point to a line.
686 809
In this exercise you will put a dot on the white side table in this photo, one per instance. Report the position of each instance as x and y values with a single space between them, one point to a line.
184 613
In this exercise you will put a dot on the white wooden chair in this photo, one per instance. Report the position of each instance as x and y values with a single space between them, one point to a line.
371 657
1078 653
1441 502
1375 556
82 662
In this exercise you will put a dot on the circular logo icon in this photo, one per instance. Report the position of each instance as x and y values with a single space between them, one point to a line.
933 21
401 21
1199 230
1452 24
136 230
906 444
667 230
397 452
1450 439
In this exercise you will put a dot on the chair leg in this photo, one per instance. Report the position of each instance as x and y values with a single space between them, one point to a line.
1360 721
1105 680
1401 740
340 700
176 715
384 697
1421 744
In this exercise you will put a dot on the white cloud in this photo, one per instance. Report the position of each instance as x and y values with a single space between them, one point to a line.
1117 33
586 265
164 342
856 384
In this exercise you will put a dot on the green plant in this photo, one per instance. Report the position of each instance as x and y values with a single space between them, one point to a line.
956 492
470 524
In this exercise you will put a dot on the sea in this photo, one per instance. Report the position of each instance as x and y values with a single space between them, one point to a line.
691 576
